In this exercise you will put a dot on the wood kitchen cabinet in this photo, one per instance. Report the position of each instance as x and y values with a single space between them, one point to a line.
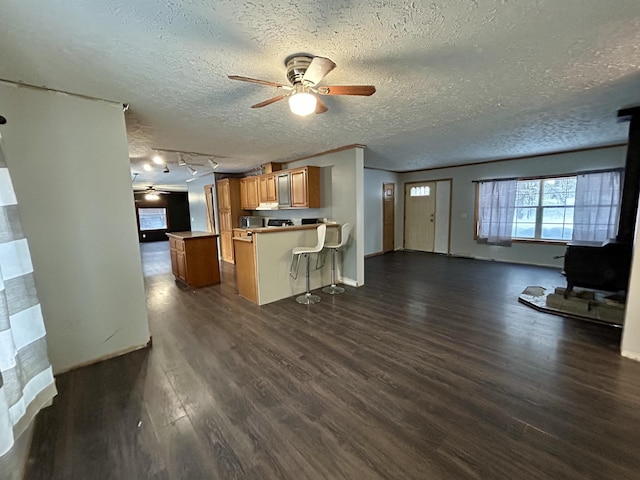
267 189
305 187
194 258
246 274
249 199
229 211
296 188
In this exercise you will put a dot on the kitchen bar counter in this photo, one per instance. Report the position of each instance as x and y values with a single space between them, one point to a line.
263 258
289 228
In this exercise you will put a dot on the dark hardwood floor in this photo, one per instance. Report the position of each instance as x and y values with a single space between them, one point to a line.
432 370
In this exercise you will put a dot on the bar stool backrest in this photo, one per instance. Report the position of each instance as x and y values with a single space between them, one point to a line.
322 233
344 234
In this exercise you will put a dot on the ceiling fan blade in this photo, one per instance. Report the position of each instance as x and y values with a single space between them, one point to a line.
320 106
365 90
255 80
270 101
317 70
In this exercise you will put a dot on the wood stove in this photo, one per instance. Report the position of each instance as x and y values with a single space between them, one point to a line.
607 266
601 267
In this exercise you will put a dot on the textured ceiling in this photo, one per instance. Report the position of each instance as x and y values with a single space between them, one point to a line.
457 81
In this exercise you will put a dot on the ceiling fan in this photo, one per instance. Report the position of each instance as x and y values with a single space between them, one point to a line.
152 194
304 73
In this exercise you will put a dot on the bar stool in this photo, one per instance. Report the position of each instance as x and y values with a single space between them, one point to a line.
344 237
296 253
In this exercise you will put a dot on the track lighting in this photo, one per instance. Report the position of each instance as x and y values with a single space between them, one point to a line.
147 167
166 169
194 161
157 159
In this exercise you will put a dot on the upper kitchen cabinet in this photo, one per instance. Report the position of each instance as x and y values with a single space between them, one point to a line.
305 187
267 188
249 193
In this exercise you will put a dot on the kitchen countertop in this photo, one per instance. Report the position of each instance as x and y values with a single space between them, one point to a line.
289 228
187 235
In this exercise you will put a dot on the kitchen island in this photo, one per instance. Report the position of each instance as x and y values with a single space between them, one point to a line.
194 258
263 258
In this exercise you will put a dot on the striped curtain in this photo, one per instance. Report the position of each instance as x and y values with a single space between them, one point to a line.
26 378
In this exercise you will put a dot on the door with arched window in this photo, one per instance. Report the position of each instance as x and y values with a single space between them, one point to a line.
420 216
427 216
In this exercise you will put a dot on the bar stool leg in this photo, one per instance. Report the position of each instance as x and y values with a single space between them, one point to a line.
308 298
333 289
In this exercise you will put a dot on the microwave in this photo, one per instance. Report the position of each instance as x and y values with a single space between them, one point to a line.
250 222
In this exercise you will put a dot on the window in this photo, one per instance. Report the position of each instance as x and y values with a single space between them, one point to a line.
423 191
152 218
581 207
544 209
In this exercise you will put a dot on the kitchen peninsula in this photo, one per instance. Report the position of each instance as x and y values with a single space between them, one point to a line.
263 258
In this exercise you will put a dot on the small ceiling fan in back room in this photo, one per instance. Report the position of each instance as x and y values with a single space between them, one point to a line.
305 72
150 193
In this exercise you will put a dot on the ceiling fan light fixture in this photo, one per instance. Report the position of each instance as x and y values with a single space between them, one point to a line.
302 103
152 196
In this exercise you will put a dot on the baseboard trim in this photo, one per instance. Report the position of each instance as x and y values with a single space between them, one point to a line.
630 355
350 282
369 255
106 357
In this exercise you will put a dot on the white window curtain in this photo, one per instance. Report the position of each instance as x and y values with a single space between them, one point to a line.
26 378
496 206
597 206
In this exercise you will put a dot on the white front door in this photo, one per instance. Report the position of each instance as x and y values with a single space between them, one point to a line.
420 216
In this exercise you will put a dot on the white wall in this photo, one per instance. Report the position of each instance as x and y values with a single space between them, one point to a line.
69 162
373 201
463 199
631 335
342 183
197 202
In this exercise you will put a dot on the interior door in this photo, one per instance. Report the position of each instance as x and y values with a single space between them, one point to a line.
388 217
211 221
420 216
